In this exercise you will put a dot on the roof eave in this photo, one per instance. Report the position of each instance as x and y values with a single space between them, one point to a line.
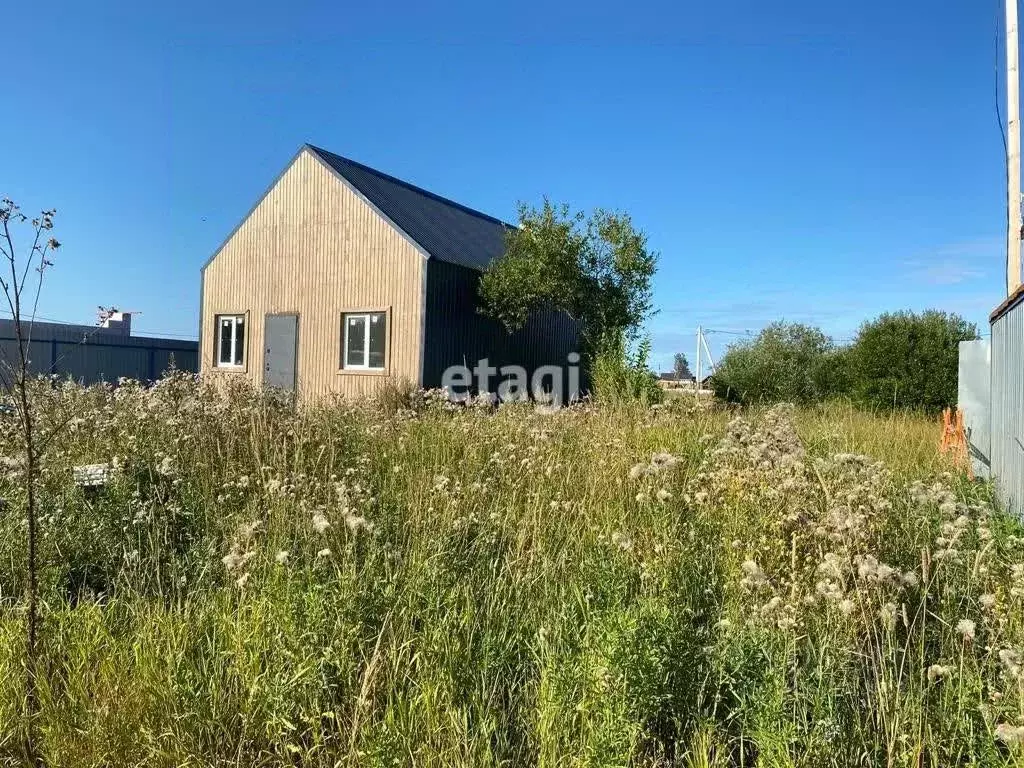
1007 304
315 152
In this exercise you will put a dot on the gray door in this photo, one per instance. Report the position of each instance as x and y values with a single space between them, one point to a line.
280 341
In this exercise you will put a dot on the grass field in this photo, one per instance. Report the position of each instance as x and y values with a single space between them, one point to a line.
592 587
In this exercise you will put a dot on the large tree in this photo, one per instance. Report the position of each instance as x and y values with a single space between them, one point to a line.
908 360
597 269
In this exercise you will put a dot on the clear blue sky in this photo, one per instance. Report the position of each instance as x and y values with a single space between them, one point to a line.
811 161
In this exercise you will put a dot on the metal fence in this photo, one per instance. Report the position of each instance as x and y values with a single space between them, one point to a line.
89 354
1008 403
974 398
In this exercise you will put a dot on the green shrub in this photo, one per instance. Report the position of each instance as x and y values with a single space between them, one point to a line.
786 362
899 360
620 375
908 360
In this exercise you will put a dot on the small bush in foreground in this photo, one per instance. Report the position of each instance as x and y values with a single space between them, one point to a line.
619 375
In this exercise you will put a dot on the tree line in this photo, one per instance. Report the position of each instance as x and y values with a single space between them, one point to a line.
598 269
902 360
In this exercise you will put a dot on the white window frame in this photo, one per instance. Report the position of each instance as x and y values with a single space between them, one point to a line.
235 318
365 316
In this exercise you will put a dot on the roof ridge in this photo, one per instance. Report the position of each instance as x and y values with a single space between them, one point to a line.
410 186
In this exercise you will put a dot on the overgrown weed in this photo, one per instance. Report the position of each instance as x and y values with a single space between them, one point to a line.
421 584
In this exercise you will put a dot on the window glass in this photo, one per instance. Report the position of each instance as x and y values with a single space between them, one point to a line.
355 335
364 342
378 340
226 332
239 339
230 340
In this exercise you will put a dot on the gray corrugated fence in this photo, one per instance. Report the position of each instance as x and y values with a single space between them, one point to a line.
88 354
974 398
1008 403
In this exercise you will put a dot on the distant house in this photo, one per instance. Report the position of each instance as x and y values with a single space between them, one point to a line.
342 277
673 376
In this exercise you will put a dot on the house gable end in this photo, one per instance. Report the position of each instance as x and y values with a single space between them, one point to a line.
314 247
309 150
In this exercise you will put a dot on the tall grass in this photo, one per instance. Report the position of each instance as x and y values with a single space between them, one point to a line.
427 585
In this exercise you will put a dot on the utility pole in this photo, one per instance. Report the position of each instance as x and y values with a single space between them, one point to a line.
707 349
1013 220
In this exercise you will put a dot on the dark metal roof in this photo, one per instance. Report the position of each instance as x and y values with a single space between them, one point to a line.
1008 303
446 230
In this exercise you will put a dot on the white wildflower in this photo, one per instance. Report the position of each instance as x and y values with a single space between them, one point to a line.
320 523
829 589
638 470
832 566
247 530
167 467
965 628
847 607
324 553
664 495
938 672
622 541
233 559
753 575
281 557
660 461
1010 734
771 605
357 522
786 622
1011 663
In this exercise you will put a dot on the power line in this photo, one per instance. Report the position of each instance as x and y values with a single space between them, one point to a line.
730 332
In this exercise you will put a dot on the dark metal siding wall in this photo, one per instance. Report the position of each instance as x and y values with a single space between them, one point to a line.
88 355
1008 406
457 334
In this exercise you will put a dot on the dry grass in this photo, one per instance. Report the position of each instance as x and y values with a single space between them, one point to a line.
420 585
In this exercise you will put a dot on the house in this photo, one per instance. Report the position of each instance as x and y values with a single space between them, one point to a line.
342 277
670 379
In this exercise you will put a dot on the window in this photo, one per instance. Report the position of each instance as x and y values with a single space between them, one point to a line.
230 341
364 341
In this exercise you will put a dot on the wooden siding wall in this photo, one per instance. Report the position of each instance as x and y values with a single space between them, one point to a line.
315 247
457 333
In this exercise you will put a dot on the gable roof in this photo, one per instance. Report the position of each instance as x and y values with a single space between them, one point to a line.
446 230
